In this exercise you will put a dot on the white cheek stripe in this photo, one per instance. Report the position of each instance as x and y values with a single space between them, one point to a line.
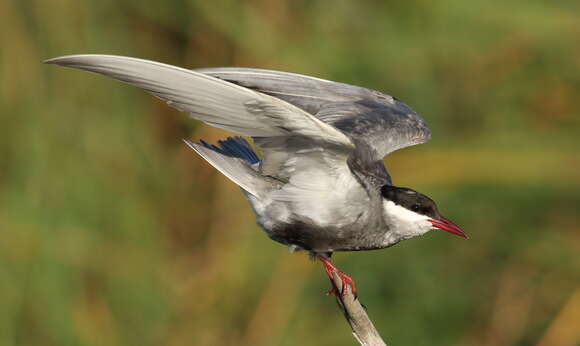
405 222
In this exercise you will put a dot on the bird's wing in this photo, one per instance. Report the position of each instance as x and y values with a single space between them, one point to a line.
288 136
298 147
212 100
380 121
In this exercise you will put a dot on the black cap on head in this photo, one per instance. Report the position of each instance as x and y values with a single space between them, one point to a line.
412 200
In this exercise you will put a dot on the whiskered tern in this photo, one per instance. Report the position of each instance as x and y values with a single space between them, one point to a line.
320 184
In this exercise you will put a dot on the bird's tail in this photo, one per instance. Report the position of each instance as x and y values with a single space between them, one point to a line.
235 159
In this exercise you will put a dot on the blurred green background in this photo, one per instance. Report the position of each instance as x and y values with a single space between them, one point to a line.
114 233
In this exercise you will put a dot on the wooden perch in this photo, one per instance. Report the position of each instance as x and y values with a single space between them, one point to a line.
362 328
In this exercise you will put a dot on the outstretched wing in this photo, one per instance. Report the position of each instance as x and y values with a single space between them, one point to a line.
212 100
380 121
311 153
288 135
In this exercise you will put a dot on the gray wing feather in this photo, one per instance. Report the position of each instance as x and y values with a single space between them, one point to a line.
365 116
212 100
306 92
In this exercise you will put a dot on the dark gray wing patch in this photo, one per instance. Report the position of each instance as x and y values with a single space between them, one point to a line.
365 116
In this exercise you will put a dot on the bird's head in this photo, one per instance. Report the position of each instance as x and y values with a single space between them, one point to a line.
411 213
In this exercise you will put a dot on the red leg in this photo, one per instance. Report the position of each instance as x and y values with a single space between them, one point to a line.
330 269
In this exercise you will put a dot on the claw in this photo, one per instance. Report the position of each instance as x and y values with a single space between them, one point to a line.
346 280
331 291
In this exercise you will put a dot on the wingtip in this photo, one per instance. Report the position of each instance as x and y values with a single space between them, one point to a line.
51 61
76 58
63 60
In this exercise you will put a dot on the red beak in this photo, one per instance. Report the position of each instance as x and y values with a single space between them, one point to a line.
448 226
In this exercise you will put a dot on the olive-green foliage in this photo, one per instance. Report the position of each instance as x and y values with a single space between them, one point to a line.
114 233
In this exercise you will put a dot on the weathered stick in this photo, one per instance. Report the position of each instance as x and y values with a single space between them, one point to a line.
362 328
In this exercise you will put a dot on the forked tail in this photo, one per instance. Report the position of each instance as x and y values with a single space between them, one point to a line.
235 159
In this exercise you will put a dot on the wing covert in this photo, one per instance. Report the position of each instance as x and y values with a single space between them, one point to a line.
365 116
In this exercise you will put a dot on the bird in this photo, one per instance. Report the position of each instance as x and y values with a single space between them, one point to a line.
319 183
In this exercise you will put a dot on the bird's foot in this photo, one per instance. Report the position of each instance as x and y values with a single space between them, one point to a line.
346 280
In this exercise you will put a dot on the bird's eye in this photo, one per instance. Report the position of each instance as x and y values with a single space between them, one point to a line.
415 207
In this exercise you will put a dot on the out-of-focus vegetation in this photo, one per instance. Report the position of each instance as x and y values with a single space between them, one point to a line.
114 233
